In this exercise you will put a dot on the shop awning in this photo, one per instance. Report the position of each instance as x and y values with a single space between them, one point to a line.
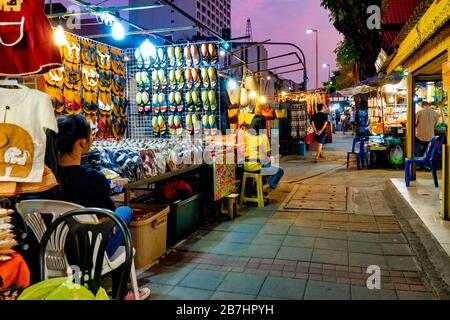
372 84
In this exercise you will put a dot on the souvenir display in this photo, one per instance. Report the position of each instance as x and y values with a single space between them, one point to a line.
177 91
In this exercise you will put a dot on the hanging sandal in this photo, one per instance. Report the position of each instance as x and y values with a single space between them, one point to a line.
171 123
189 78
155 126
212 73
179 56
205 54
155 103
197 101
189 101
171 55
212 124
162 102
212 100
205 122
188 56
162 79
205 100
196 78
155 79
189 125
205 78
179 101
197 124
212 48
172 105
178 126
162 126
162 58
195 55
180 80
172 80
139 59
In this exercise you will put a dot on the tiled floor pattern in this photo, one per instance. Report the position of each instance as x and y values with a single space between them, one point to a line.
261 256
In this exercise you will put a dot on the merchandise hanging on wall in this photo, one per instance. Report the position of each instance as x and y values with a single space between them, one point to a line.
26 39
92 83
176 92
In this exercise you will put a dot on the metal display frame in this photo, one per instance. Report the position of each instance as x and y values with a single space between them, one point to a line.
140 124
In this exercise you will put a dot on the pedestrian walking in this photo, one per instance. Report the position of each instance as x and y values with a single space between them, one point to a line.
319 122
426 121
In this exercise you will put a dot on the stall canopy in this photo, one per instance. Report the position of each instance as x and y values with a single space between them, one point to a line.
372 84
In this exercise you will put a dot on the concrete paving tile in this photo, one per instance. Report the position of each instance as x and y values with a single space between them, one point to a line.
401 263
214 235
240 237
270 239
261 251
268 298
252 220
182 293
411 295
230 249
199 246
203 279
249 228
169 276
396 249
231 296
158 291
365 260
292 253
302 242
364 247
330 257
281 221
332 234
318 290
363 293
281 229
392 238
303 231
331 244
363 237
287 288
223 226
242 283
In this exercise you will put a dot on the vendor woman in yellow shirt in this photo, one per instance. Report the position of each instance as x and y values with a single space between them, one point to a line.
257 153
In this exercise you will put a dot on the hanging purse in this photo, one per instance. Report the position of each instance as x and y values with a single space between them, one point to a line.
233 113
281 114
269 114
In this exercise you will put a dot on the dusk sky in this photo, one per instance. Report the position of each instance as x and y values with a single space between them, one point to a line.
284 21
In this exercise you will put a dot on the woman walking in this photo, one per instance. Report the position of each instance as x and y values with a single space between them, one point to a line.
319 122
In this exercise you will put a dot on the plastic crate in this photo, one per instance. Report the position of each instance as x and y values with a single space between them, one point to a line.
184 219
149 231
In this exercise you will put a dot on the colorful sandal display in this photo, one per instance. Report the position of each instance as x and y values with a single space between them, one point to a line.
171 99
189 101
196 99
179 57
188 56
205 78
179 77
205 54
205 122
212 96
173 80
212 73
172 57
179 101
205 101
155 103
178 126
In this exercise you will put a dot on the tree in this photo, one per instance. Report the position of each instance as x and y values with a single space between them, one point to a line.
350 18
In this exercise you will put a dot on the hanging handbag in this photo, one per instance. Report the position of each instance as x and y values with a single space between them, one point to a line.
233 113
269 114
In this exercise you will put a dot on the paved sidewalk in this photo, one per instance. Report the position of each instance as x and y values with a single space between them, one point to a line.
275 254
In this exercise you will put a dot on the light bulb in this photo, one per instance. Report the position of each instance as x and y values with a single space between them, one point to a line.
148 50
118 32
268 78
232 84
262 100
222 53
252 95
60 37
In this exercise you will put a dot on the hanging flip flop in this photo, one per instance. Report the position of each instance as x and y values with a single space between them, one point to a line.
212 73
205 122
162 125
172 105
180 80
171 56
189 101
145 80
195 55
212 125
155 103
171 123
155 80
212 99
205 78
117 63
146 102
162 102
156 62
172 80
197 124
179 56
196 78
179 101
139 104
189 126
205 100
103 57
139 59
116 106
189 79
205 54
212 48
87 52
162 58
196 99
162 79
155 126
178 126
188 56
123 108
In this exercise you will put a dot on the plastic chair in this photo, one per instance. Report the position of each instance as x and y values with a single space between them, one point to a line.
361 156
259 189
428 158
88 246
33 213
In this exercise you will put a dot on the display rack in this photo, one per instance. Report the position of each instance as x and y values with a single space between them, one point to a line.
140 123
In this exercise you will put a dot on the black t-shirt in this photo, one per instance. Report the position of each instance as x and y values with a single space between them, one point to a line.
85 187
319 119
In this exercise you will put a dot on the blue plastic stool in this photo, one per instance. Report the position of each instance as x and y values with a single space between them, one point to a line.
428 158
362 156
